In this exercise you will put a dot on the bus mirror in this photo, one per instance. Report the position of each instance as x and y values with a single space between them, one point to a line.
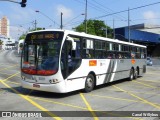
73 43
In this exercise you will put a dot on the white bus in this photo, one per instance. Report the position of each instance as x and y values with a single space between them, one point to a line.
62 61
20 45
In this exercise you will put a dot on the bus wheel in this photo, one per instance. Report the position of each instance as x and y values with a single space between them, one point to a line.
131 76
135 74
89 84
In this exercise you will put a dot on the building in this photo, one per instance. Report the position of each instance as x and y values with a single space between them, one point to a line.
0 27
145 34
7 43
4 26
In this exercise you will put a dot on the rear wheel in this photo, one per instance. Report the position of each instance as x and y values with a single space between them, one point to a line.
135 74
89 84
131 76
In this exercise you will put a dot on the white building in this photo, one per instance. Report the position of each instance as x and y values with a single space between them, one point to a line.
8 43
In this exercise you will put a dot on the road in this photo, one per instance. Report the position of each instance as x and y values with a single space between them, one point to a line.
136 96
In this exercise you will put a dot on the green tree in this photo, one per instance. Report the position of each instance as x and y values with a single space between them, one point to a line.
95 27
23 36
1 42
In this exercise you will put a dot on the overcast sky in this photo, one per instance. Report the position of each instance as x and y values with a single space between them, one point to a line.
21 19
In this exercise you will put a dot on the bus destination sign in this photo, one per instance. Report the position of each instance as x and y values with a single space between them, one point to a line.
43 35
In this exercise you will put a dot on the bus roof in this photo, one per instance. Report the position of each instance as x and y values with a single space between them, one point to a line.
82 34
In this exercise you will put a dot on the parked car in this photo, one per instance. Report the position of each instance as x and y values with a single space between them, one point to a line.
149 61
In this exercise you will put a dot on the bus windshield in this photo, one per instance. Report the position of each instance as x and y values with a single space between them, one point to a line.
41 56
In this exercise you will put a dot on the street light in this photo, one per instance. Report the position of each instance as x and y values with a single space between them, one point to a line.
23 3
46 17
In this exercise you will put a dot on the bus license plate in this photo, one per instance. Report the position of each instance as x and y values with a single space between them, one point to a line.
36 85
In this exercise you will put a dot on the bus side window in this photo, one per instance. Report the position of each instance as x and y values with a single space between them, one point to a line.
88 51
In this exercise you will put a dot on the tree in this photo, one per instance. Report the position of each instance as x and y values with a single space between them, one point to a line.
1 42
23 36
95 27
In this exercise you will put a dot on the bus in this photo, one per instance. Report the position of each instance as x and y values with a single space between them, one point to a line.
20 46
62 61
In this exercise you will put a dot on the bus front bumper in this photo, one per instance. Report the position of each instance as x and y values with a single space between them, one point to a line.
57 88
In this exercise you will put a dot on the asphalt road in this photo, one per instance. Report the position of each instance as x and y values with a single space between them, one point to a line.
135 96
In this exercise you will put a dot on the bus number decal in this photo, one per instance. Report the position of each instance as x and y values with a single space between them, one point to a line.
93 63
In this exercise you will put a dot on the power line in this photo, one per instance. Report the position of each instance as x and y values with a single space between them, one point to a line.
108 9
97 7
100 8
126 10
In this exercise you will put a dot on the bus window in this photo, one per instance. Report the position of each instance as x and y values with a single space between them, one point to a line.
88 51
115 47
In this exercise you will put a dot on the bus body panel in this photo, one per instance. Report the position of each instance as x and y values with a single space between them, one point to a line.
42 79
57 88
105 70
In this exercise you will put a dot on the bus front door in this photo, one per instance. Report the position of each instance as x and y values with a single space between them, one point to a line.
70 59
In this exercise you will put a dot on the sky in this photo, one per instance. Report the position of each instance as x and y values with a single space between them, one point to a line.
49 15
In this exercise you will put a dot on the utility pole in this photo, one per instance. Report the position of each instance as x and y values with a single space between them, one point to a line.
113 30
128 25
35 24
86 18
106 29
61 21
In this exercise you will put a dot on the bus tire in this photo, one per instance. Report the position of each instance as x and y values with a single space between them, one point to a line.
135 74
131 75
89 84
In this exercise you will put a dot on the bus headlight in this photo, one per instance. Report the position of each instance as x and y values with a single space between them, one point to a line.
54 81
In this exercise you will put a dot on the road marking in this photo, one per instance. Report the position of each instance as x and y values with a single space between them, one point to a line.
5 73
4 64
153 93
11 76
139 86
59 103
70 105
95 96
89 107
13 82
145 101
129 100
8 67
152 73
145 84
32 102
150 81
